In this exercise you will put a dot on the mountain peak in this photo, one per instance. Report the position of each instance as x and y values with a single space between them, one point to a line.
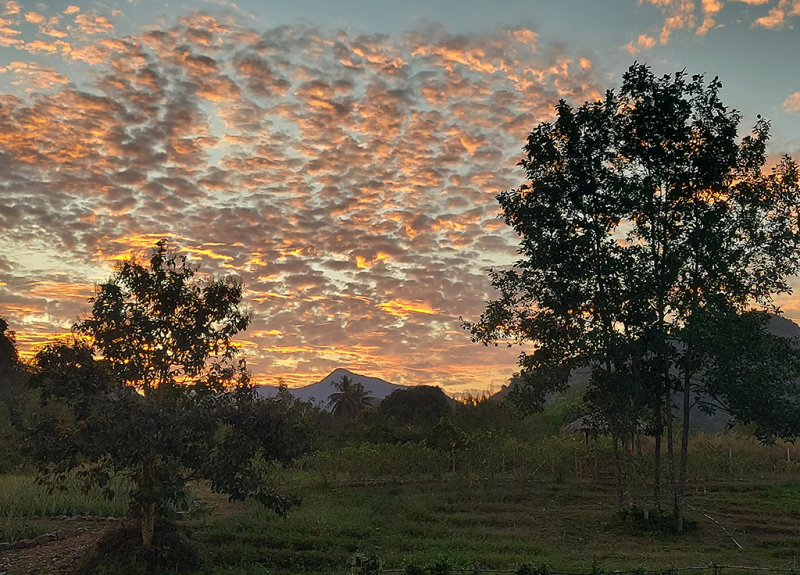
319 392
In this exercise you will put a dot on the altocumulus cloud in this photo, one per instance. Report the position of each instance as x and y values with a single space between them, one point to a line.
347 178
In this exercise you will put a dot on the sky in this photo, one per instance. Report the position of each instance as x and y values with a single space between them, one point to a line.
341 158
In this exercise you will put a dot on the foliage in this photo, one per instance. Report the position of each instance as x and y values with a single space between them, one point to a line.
153 392
638 521
754 374
350 399
421 404
450 438
407 415
9 358
566 408
647 229
15 401
13 529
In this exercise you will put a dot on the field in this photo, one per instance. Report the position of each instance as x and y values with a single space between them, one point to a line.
405 506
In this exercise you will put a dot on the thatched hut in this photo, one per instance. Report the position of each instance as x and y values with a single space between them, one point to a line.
587 424
594 424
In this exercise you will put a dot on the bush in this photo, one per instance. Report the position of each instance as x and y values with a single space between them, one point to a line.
532 569
639 521
121 553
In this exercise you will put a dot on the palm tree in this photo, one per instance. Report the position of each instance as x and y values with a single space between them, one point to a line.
350 399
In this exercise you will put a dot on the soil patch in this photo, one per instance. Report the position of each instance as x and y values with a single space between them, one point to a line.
61 555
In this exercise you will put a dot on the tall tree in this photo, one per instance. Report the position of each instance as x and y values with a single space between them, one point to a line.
644 221
14 401
568 293
712 236
9 358
154 390
350 398
421 404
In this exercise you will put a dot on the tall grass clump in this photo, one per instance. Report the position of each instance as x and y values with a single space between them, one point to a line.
22 496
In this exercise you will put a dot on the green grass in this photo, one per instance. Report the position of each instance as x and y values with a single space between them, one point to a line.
570 526
534 509
22 497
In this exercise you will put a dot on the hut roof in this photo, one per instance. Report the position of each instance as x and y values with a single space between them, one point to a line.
591 422
594 422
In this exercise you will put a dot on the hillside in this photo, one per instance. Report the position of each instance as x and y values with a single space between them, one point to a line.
319 392
778 325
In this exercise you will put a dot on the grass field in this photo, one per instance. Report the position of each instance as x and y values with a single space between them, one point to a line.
500 525
560 512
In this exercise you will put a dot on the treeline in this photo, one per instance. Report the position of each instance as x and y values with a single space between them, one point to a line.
414 435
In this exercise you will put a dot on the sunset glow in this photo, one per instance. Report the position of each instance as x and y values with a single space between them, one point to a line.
344 165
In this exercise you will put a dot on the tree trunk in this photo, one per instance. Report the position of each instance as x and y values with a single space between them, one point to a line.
148 523
618 466
681 487
670 449
147 509
659 431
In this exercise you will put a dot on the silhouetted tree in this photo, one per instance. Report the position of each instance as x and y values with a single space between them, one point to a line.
420 404
153 390
350 400
645 226
9 357
14 399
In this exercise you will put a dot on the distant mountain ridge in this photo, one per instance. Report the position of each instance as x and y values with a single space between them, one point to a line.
318 393
777 325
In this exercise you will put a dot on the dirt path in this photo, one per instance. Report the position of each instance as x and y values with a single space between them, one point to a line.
59 556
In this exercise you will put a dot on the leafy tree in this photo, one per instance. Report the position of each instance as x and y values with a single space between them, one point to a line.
9 357
406 415
646 226
752 373
448 437
350 399
150 387
712 236
14 401
421 404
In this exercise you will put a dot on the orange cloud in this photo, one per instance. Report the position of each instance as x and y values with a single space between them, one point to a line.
778 15
710 9
8 35
34 76
93 25
11 8
34 18
792 103
403 308
774 19
29 343
207 253
37 46
682 14
59 290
